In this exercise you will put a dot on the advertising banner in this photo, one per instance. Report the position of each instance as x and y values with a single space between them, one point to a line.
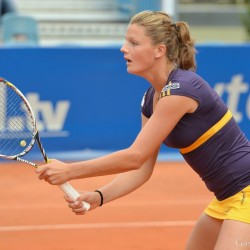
84 99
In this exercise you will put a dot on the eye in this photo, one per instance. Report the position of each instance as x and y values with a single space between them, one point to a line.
134 43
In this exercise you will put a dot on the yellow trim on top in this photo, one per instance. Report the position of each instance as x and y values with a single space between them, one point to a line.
169 88
163 94
208 134
168 92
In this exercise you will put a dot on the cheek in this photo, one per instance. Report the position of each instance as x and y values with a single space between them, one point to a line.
141 65
145 58
142 61
146 62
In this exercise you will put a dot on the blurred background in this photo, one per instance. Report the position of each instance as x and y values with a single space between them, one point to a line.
105 21
65 56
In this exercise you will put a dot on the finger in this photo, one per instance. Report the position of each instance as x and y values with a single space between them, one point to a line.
68 199
80 213
72 205
79 210
76 205
42 176
46 176
41 169
52 180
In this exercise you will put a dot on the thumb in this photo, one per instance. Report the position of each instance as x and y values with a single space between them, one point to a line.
82 196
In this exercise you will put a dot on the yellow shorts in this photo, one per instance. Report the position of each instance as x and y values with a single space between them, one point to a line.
236 207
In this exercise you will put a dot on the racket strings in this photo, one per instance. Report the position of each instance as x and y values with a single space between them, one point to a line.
16 122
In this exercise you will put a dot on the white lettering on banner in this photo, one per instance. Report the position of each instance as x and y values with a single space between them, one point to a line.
50 120
234 90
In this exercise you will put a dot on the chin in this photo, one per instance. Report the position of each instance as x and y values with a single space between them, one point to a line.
133 72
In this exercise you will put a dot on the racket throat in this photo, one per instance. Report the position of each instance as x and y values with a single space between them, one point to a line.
25 161
38 140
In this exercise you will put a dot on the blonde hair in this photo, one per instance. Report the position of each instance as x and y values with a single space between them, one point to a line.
160 27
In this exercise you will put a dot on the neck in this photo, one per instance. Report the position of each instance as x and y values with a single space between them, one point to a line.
158 81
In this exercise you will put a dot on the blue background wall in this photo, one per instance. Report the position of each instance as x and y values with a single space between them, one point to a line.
85 99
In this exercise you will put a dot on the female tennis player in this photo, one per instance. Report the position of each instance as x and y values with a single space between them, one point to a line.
182 111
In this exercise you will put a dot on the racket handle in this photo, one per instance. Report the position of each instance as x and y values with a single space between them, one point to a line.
72 193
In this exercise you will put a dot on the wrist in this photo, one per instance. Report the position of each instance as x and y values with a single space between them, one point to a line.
69 173
73 171
101 197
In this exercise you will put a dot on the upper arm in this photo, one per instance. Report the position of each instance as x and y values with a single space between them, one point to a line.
144 120
169 110
148 166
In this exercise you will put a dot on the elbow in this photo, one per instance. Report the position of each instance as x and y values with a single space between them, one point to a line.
136 160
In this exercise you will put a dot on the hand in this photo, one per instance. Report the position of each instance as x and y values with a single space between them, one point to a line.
55 172
93 198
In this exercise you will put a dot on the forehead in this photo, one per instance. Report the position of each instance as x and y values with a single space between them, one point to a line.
136 31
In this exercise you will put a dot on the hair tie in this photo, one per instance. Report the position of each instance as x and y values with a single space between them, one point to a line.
175 26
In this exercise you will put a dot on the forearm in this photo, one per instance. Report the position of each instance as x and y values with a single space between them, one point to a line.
126 183
118 162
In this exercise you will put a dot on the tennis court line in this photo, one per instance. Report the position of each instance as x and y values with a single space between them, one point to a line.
115 204
97 226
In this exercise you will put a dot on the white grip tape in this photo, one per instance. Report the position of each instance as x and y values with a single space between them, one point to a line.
72 193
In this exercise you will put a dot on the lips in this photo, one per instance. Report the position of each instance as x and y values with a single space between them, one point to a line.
128 60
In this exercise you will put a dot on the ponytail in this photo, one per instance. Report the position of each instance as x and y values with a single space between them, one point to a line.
187 51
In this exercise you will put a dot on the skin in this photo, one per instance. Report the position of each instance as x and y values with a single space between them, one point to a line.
135 164
148 61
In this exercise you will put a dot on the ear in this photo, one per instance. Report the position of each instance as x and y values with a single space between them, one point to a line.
160 51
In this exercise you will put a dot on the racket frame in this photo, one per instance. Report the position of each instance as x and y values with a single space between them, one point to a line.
66 187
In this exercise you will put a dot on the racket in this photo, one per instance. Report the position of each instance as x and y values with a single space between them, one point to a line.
18 131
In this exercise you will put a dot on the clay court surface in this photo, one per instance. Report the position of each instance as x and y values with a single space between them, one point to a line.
159 215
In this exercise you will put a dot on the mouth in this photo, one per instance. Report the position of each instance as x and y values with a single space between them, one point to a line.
128 60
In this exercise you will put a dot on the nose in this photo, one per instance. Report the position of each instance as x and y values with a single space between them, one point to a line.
123 48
